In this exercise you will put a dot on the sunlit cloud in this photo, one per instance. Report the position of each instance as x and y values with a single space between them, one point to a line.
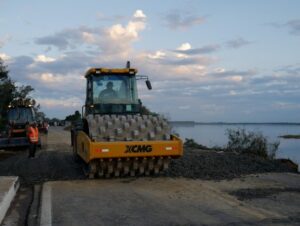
139 14
44 59
157 55
184 46
114 40
4 57
236 78
71 102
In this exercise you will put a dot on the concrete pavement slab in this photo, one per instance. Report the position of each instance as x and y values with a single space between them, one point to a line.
149 201
8 189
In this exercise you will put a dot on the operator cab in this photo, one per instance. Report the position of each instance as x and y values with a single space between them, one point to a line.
20 115
112 91
17 117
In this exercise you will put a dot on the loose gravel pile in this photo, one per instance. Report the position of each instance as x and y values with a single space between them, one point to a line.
214 165
211 165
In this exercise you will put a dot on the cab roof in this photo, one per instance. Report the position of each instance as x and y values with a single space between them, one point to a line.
108 71
21 103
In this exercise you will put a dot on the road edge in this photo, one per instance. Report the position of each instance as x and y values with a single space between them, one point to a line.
46 206
8 198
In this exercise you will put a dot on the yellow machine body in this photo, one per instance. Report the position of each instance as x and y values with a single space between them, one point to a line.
89 150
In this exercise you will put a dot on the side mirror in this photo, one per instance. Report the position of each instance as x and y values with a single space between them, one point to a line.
148 83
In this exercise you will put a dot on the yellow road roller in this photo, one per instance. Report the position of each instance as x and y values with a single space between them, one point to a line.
114 138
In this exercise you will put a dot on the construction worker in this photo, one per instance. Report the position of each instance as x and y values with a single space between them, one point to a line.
109 92
46 127
33 138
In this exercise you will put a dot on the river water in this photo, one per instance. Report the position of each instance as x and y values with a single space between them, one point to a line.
215 135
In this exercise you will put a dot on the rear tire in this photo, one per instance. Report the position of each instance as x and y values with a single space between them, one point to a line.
76 157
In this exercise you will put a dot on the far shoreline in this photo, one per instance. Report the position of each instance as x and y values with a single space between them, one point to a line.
290 136
233 123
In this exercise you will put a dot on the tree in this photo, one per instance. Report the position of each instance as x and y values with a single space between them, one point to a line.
7 91
75 117
10 93
146 111
3 71
248 142
23 93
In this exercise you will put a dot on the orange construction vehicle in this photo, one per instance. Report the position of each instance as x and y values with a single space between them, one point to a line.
19 114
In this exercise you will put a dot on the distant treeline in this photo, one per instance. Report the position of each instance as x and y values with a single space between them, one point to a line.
232 123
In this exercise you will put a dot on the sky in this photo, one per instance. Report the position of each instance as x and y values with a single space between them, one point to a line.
208 61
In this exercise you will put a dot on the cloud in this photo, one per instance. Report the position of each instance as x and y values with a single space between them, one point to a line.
286 105
50 103
285 79
4 57
183 74
4 40
58 40
182 20
186 61
48 77
184 107
186 49
294 26
183 62
282 85
68 62
19 65
139 14
116 39
184 46
290 69
157 55
68 38
237 74
44 59
237 43
236 78
61 77
167 64
232 93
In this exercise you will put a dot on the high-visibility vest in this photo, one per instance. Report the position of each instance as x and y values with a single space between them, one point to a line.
33 134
